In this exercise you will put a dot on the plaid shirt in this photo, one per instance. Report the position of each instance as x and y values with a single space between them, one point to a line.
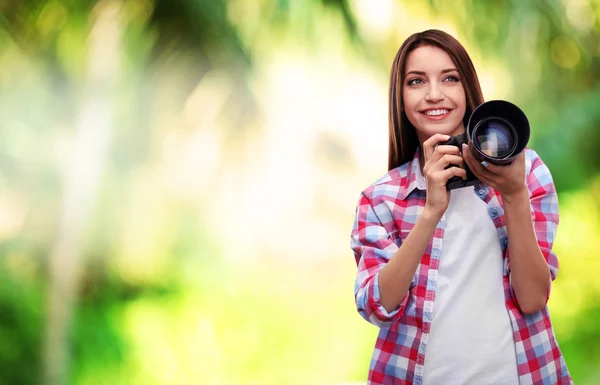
386 212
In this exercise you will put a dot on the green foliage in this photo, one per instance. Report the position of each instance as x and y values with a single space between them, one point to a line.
21 320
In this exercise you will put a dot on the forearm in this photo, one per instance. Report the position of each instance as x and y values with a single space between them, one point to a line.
530 276
396 276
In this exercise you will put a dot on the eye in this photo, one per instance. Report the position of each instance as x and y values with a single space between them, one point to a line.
452 78
414 81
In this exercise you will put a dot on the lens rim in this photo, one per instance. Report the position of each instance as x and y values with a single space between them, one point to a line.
505 110
507 124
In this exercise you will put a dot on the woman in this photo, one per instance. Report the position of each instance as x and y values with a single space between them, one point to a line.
456 281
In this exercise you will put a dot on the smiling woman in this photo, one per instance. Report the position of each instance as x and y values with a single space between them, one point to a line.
456 281
434 98
436 68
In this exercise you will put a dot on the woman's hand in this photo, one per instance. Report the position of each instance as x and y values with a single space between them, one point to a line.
508 180
437 173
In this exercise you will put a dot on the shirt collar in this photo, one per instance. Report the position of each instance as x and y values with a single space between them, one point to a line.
415 178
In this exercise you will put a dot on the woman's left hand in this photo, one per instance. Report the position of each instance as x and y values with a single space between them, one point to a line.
508 180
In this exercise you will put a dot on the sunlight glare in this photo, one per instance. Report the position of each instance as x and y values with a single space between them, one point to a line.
376 16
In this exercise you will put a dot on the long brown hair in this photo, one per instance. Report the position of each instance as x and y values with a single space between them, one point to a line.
403 140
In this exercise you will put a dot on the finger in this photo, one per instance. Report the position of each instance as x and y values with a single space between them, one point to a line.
453 171
447 149
520 158
475 165
440 151
441 177
517 162
490 167
448 159
429 144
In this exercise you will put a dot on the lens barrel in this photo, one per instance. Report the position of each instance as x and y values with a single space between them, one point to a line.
498 131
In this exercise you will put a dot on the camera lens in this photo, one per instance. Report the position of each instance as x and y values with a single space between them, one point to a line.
495 138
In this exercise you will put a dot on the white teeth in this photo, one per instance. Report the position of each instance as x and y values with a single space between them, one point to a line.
436 112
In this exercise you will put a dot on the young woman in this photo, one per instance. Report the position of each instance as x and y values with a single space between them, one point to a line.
457 281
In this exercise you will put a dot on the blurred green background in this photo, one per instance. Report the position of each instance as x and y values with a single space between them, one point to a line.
178 178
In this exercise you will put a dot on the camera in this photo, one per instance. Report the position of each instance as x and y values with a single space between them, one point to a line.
497 131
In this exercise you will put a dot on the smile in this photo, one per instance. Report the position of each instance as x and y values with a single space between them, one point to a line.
436 114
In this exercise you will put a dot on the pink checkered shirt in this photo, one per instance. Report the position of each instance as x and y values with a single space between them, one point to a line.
387 211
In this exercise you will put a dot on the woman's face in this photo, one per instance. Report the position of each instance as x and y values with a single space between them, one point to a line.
433 94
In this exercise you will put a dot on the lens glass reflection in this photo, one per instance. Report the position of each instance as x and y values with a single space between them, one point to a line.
494 139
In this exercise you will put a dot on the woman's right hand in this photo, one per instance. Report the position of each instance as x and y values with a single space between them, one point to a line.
437 173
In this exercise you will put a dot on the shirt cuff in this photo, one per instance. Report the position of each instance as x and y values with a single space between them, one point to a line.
377 309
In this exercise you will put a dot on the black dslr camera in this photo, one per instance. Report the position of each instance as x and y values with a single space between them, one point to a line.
497 131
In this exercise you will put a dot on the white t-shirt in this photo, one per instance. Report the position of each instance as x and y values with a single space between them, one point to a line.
471 338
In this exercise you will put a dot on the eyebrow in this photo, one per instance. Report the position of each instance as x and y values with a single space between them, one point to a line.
444 71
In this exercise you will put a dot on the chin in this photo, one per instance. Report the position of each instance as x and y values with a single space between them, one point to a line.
448 130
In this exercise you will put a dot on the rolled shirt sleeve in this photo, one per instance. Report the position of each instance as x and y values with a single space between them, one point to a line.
373 247
543 201
544 210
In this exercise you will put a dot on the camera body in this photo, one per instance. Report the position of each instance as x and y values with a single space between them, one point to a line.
457 182
497 132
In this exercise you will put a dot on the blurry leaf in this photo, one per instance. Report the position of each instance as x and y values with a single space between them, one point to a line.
21 325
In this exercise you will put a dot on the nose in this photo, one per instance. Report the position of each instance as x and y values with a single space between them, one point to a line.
434 94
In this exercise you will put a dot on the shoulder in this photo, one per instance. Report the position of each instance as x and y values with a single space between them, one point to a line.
532 159
534 163
538 176
392 183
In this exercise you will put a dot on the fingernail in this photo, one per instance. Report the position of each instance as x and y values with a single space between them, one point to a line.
464 146
484 164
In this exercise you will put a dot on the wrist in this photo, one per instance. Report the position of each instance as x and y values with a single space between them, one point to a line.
432 214
515 197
